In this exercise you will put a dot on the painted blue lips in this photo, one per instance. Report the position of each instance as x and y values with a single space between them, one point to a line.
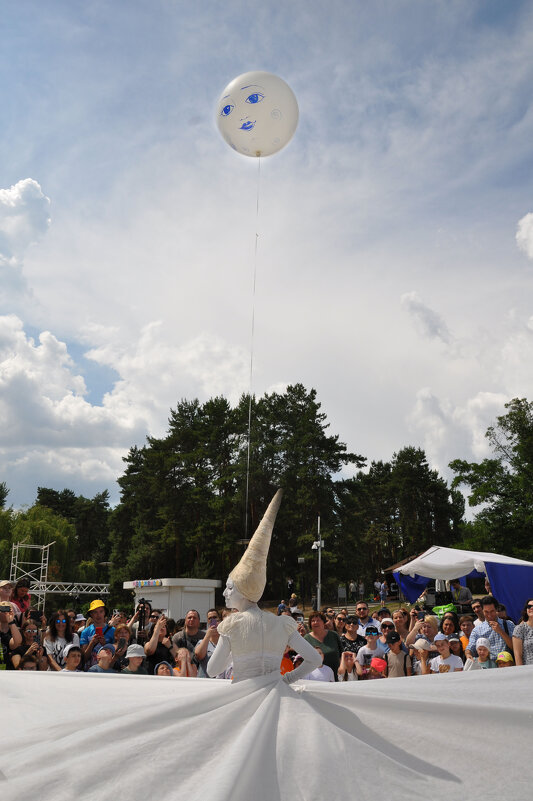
248 125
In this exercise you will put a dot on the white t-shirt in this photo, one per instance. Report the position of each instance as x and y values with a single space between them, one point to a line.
448 665
323 673
348 676
55 648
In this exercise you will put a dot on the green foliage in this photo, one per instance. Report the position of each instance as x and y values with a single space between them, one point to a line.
183 497
40 526
185 510
503 486
3 494
395 510
90 518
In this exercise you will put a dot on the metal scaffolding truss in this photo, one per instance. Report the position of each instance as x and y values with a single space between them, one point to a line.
74 588
31 561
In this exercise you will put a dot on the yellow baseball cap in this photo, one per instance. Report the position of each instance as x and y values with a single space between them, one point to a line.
96 604
504 656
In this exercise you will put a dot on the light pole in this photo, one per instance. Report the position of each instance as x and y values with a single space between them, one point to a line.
317 546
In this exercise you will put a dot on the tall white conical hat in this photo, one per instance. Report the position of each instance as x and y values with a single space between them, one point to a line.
249 575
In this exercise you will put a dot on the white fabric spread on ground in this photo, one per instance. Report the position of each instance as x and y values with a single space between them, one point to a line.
99 737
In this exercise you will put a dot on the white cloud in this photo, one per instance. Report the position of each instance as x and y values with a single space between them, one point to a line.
24 217
48 425
452 429
524 234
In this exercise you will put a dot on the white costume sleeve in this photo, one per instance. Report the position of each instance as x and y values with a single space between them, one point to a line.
311 657
221 658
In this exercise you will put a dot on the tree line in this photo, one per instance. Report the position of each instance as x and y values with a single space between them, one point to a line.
185 509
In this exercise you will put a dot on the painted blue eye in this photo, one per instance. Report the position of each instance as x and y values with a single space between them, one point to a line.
227 110
256 97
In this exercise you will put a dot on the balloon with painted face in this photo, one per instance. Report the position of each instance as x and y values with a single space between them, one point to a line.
257 114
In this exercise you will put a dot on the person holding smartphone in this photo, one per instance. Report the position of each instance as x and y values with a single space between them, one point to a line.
159 647
99 632
206 647
30 646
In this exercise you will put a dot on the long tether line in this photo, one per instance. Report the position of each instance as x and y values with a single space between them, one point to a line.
252 348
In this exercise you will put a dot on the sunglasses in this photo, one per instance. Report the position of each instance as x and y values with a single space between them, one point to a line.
530 606
363 609
386 626
341 619
61 620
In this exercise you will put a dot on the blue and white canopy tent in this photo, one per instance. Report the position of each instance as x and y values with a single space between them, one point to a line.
511 579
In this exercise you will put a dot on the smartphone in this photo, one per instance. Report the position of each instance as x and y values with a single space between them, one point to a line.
99 631
35 615
421 615
121 643
212 623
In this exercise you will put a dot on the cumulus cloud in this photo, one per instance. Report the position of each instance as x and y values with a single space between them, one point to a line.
49 428
155 373
450 429
24 217
428 321
524 235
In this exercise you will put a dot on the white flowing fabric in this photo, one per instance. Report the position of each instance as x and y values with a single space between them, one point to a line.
97 737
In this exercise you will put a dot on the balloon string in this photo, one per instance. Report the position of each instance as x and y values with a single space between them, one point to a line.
252 348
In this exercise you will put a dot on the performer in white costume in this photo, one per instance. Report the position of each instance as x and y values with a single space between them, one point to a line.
254 641
100 737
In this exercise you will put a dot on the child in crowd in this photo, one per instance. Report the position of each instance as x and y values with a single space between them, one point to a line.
184 666
504 659
377 669
322 673
72 657
445 662
371 649
483 654
397 659
347 670
104 658
28 663
135 658
286 662
163 668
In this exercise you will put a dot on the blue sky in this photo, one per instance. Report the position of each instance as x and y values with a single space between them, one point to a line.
395 250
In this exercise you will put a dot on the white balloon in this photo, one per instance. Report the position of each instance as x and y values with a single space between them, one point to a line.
257 113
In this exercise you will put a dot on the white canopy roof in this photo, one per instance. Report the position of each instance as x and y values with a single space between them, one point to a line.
449 563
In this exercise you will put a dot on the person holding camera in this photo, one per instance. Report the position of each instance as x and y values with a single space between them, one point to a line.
206 647
159 647
140 624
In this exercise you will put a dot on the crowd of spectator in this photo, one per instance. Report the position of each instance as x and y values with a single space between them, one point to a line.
353 647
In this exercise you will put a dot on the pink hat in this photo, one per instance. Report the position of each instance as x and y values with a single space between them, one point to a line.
378 664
